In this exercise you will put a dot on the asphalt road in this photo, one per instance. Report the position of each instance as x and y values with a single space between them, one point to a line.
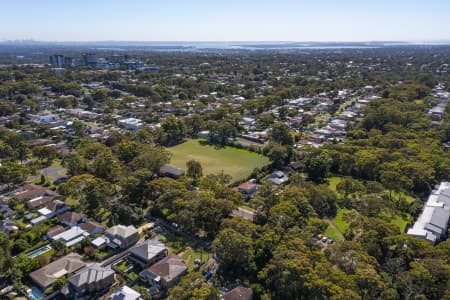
244 213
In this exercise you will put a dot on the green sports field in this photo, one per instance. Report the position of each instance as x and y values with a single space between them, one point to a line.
236 162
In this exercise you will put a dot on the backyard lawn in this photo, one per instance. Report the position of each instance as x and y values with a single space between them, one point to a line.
236 162
190 255
400 222
337 226
333 182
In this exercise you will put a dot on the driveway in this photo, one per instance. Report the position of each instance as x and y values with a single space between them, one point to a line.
244 213
52 172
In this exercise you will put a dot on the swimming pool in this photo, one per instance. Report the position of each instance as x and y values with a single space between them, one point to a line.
39 251
35 293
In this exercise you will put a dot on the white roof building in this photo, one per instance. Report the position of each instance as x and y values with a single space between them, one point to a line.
100 241
131 123
72 236
432 224
126 293
45 119
45 212
38 220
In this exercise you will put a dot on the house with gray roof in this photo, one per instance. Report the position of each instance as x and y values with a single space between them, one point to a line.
100 242
148 253
91 282
8 226
121 236
278 178
172 172
432 223
5 211
437 113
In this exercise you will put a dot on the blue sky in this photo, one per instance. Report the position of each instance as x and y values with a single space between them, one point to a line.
225 20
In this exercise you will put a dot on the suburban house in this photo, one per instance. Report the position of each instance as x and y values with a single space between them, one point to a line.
71 218
47 275
5 210
238 293
30 191
8 226
296 166
55 230
316 139
52 209
100 242
437 113
130 123
83 114
40 201
121 236
38 220
72 236
247 121
165 273
278 178
203 134
93 227
172 172
90 281
44 119
248 188
432 223
148 253
126 293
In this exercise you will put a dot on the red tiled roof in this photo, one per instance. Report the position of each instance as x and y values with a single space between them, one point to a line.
55 230
169 267
246 186
71 217
90 226
32 191
55 205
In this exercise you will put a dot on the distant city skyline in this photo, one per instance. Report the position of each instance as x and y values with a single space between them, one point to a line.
231 20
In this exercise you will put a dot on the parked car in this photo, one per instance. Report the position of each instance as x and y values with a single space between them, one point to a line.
208 275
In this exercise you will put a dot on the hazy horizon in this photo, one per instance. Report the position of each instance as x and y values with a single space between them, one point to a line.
225 21
226 41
